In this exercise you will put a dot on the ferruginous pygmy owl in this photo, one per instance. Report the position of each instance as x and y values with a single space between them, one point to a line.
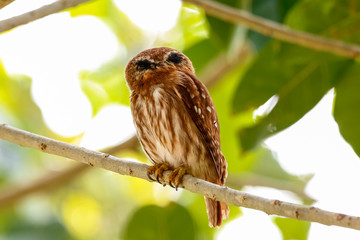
176 121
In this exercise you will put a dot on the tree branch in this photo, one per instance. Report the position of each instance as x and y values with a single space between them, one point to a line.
13 194
136 169
216 69
276 30
41 12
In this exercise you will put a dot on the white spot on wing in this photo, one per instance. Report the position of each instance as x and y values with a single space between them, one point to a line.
203 95
208 108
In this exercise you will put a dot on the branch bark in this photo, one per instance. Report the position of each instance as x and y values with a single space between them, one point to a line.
276 30
136 169
41 12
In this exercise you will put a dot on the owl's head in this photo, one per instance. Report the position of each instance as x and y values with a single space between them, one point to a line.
156 60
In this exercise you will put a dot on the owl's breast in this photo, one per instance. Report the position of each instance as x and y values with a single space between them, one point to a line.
166 130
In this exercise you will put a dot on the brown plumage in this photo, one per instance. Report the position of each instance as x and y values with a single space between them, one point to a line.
176 121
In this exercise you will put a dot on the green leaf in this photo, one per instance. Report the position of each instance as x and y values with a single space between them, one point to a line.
161 223
297 76
292 228
346 107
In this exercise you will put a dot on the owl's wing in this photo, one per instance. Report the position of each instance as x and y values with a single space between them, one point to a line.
201 108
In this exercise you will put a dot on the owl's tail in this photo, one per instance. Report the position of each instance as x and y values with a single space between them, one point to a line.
217 211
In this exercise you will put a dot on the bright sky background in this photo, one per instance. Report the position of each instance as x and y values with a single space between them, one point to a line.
41 50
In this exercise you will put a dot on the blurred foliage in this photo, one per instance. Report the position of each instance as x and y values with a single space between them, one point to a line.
103 205
292 228
16 102
296 76
161 223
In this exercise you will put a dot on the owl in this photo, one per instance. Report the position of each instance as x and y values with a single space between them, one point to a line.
176 122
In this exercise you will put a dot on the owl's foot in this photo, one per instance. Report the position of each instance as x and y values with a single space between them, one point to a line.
158 170
176 177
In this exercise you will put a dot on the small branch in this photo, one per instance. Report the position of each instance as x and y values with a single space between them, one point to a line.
276 30
4 3
222 65
136 169
12 194
52 179
41 12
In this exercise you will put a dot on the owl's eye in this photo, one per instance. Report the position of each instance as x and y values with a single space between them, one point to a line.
144 64
175 58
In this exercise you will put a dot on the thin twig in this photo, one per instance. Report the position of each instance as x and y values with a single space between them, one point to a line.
52 179
216 69
139 170
14 193
276 30
4 3
41 12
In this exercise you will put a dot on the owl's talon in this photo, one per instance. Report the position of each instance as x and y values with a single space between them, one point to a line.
171 185
149 176
176 177
158 180
150 171
158 170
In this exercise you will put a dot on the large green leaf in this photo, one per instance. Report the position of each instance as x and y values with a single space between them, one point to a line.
161 223
297 76
346 107
292 228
